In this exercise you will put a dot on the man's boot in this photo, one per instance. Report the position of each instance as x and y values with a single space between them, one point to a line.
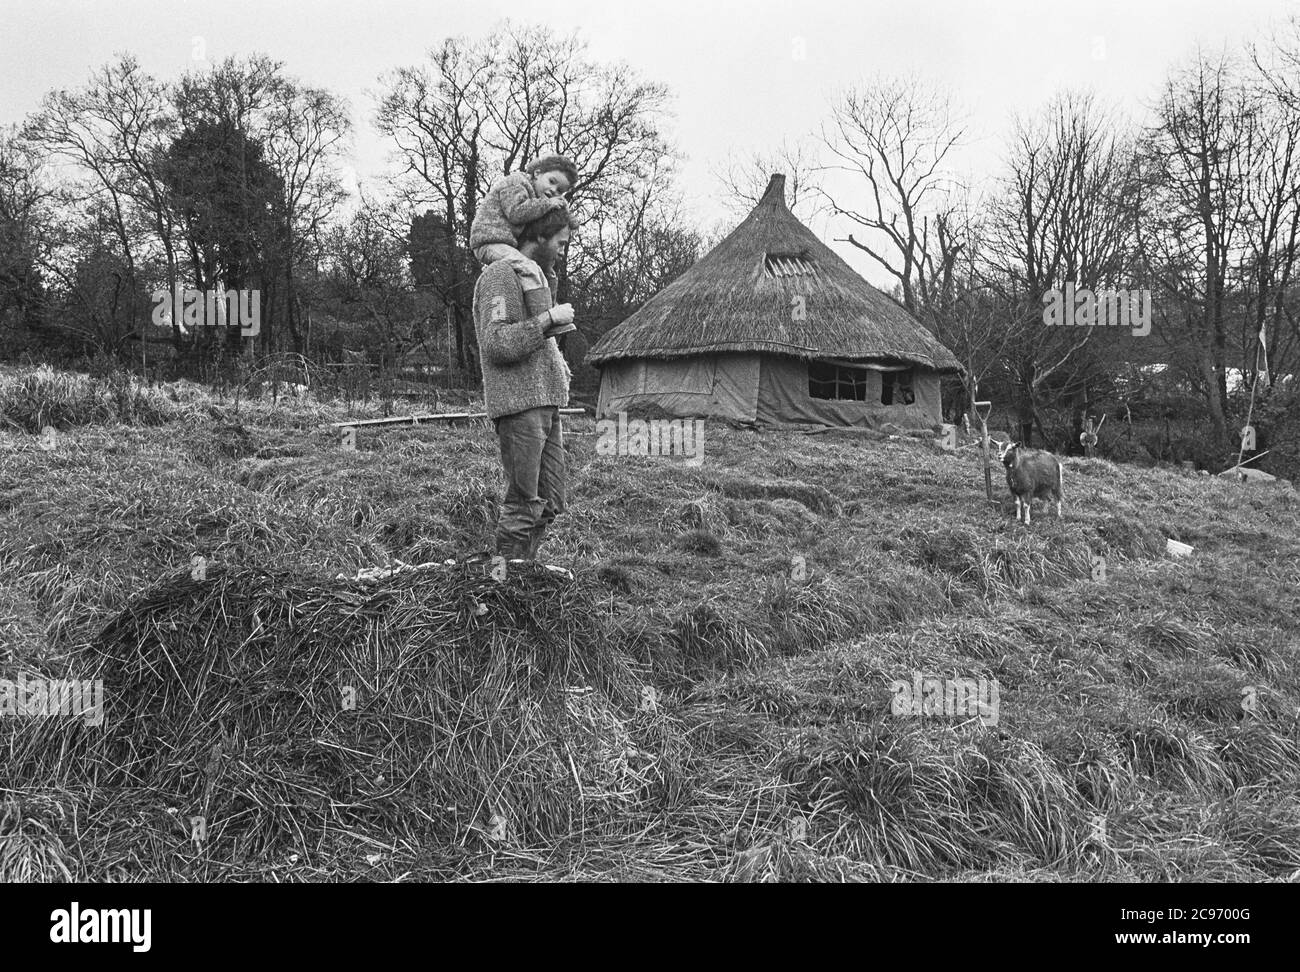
512 550
534 541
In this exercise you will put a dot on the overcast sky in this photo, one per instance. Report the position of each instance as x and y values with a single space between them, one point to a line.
733 67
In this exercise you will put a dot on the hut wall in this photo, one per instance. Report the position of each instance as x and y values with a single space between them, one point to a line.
713 385
783 399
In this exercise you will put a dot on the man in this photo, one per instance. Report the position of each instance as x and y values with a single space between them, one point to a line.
526 382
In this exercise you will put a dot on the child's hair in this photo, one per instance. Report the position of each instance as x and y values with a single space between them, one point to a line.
547 225
555 163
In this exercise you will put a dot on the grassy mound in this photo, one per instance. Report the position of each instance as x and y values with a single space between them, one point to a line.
430 708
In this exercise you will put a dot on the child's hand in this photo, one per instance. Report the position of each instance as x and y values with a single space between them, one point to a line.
562 314
557 202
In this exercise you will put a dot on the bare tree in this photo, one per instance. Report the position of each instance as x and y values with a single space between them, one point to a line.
26 211
743 178
114 129
435 116
1063 215
897 134
299 132
306 129
479 110
1197 159
367 265
1274 200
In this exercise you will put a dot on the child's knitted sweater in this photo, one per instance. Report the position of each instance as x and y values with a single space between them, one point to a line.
522 368
510 205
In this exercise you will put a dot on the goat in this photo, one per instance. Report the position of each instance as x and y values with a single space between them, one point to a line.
1031 474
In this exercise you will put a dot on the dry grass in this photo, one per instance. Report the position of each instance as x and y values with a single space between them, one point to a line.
770 597
44 397
294 712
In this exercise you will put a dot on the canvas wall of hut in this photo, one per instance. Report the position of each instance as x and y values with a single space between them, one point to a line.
772 327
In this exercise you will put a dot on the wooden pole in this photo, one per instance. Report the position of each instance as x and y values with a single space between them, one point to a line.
428 417
982 412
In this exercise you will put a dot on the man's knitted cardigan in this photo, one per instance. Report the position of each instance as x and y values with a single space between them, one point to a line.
510 205
522 368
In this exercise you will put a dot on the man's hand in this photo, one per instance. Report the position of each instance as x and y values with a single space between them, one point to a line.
562 314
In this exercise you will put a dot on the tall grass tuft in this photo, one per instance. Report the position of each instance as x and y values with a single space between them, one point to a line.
44 397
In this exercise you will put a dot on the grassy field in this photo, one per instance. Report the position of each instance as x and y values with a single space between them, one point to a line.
687 708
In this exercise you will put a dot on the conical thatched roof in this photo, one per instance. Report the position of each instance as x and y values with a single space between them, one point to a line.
739 297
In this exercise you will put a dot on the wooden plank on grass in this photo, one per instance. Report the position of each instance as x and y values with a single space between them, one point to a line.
434 417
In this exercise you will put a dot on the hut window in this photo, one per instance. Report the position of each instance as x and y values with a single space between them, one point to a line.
826 380
896 387
787 266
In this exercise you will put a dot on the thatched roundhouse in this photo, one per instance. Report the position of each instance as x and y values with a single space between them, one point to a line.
772 327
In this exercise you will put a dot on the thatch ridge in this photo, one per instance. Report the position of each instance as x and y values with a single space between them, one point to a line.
727 302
